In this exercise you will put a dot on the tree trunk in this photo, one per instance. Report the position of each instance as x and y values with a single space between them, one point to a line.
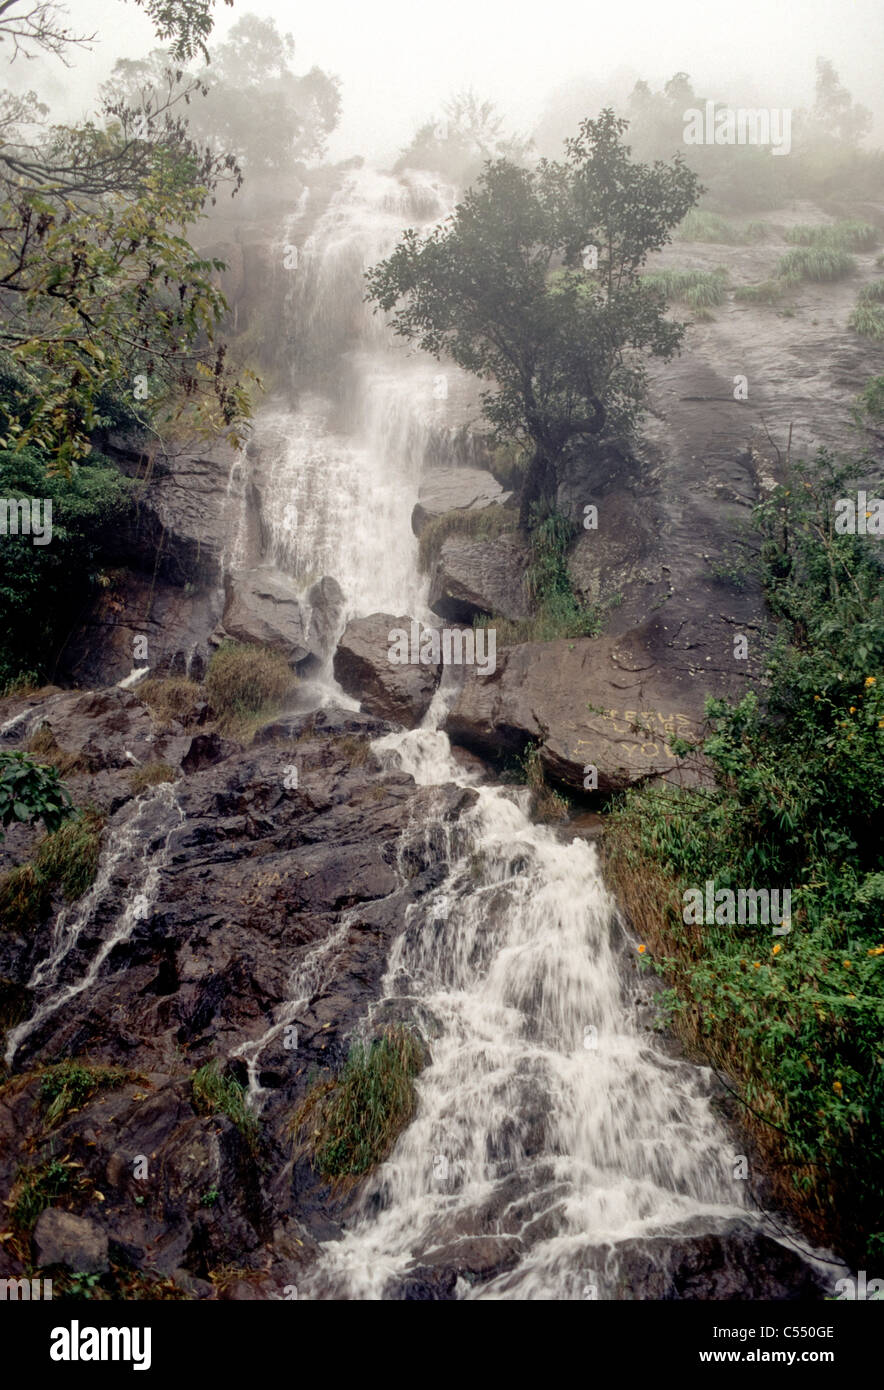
538 485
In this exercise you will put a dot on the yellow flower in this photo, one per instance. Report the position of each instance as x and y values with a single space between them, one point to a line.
641 950
881 723
846 964
853 709
877 951
836 1086
776 950
816 697
756 965
870 680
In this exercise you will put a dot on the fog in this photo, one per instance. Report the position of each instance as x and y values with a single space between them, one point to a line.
399 61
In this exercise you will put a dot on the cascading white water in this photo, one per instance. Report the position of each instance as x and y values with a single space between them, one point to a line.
145 833
341 465
547 1118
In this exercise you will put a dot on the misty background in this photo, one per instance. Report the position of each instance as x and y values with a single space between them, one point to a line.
398 63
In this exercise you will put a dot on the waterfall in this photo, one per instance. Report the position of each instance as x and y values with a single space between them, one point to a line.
548 1119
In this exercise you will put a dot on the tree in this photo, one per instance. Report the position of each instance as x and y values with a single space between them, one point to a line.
99 288
835 114
251 103
39 26
534 285
469 132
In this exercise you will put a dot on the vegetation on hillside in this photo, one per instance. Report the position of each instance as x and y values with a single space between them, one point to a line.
796 1021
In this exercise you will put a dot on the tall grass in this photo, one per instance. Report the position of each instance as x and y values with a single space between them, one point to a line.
821 263
216 1094
246 685
700 225
843 236
867 318
353 1120
698 289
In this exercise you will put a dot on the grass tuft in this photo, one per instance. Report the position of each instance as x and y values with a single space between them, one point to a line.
246 685
216 1094
354 1119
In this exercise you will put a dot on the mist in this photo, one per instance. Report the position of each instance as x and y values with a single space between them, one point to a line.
398 63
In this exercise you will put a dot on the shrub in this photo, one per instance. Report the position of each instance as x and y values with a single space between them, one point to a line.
45 588
246 685
355 1118
30 791
216 1094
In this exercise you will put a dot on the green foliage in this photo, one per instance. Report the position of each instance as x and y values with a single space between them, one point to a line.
40 1187
870 402
29 792
557 610
502 289
69 1085
246 685
799 1022
216 1094
821 263
479 525
355 1119
45 588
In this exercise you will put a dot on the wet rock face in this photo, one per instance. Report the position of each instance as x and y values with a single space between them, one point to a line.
263 876
455 489
475 577
400 691
261 607
604 703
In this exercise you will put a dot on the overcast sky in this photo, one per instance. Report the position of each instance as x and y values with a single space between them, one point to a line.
399 60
